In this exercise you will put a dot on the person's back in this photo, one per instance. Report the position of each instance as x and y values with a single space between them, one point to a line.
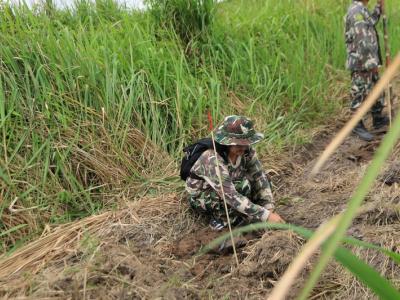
363 52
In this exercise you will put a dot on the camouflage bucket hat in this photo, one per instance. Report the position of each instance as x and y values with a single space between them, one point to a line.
237 130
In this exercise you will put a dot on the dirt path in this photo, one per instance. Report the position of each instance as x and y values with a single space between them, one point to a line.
148 249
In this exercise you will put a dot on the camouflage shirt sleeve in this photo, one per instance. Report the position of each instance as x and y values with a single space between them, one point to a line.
207 168
259 181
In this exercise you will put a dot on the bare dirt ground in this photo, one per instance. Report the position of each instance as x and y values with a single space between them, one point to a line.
148 249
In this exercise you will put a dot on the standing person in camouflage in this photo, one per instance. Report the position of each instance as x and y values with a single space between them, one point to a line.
245 185
363 60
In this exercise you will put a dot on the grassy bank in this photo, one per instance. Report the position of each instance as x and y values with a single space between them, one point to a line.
92 98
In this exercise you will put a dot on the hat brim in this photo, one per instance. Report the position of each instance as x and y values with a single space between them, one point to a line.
233 141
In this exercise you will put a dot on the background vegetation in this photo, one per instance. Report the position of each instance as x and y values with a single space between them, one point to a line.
97 102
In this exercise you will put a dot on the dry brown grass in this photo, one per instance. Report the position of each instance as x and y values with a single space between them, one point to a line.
60 242
100 256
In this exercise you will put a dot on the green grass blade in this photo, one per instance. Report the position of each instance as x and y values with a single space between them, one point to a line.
393 255
299 230
11 230
382 287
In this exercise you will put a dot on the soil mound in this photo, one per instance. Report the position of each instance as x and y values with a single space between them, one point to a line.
270 257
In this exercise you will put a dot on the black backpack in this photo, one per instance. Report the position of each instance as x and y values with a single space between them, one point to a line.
194 151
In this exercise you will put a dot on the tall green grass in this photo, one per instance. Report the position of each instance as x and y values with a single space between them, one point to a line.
78 86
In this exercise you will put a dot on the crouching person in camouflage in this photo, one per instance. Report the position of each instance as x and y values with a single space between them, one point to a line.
245 186
363 60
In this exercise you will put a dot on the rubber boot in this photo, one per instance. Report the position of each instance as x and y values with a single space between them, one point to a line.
362 132
379 121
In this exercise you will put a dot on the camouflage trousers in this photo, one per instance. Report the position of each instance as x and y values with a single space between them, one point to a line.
209 202
362 82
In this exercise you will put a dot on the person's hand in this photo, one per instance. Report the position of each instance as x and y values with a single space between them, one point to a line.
275 218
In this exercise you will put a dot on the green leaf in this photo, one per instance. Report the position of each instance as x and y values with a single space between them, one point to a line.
382 287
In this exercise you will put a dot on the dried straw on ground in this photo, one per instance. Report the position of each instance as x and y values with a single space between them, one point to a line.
63 240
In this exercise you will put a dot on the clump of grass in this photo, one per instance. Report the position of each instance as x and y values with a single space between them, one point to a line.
190 19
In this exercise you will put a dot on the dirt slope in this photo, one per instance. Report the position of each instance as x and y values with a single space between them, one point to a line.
147 250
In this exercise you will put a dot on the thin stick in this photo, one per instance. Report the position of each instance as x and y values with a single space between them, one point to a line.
210 123
385 34
363 109
321 235
389 102
223 198
387 59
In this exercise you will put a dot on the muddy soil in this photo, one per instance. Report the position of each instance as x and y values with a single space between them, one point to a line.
153 252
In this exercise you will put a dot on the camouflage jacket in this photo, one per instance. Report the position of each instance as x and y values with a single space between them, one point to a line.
246 167
362 41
